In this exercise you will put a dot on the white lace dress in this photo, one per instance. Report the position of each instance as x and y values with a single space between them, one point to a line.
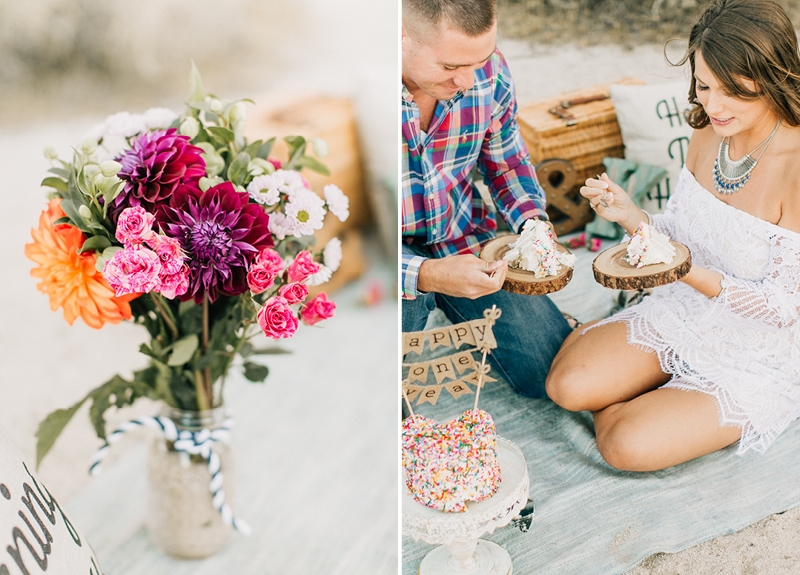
744 348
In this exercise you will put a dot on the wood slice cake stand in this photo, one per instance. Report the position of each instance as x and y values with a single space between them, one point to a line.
461 551
522 281
612 271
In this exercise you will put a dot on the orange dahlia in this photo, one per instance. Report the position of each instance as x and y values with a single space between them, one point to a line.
69 278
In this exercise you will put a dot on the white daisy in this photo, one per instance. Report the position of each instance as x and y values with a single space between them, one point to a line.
305 211
264 190
159 118
279 225
332 254
289 181
319 278
338 203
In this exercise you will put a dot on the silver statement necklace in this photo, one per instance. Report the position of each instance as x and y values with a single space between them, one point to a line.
730 176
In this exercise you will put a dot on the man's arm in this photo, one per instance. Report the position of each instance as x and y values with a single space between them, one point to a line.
505 162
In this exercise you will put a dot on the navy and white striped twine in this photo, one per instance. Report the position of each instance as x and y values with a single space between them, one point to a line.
190 442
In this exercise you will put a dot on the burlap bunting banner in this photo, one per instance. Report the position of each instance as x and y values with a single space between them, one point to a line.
477 333
454 372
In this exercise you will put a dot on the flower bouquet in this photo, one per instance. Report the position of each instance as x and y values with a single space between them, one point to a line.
180 224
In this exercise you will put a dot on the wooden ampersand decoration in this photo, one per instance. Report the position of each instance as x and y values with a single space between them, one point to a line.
455 372
566 208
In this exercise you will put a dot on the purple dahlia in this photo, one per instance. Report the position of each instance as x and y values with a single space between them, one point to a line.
221 234
158 164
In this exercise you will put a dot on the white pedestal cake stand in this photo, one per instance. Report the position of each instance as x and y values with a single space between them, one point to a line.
461 551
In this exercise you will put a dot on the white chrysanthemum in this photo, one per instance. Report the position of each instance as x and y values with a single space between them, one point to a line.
159 118
319 278
124 124
289 181
338 203
305 211
279 225
264 190
332 254
111 148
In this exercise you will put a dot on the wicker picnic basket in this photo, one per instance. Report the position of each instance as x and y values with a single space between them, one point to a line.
581 128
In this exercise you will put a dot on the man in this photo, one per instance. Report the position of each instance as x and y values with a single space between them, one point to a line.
459 113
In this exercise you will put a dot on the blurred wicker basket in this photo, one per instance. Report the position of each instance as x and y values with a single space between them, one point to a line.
579 127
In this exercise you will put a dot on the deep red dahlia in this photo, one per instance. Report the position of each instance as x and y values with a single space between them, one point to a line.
220 233
158 164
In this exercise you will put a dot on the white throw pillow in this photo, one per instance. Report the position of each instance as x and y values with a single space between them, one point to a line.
35 533
654 131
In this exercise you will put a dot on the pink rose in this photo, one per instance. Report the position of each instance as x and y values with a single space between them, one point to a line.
176 284
302 267
277 319
259 279
317 309
134 226
169 253
293 293
271 260
133 270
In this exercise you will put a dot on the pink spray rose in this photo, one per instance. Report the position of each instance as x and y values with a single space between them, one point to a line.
259 279
133 270
266 268
270 259
169 253
293 293
302 267
135 226
277 319
317 309
173 285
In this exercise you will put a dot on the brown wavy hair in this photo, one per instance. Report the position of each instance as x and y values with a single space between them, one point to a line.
751 39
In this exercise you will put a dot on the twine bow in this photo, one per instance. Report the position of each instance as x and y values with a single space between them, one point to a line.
186 442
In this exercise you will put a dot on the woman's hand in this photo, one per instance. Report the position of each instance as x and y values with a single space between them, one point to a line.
621 208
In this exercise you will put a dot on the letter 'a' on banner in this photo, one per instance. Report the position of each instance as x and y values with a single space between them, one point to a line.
454 372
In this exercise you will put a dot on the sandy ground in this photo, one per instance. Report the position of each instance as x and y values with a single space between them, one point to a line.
771 546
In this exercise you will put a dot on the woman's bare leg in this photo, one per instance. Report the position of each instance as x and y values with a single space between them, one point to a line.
660 429
600 368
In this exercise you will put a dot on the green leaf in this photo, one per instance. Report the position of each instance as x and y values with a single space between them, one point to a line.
56 183
95 243
64 220
314 165
197 93
77 219
237 171
265 148
51 427
271 351
223 135
252 148
246 349
255 372
119 392
64 174
183 350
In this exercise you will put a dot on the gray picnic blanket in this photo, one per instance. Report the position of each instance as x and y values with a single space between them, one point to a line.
592 519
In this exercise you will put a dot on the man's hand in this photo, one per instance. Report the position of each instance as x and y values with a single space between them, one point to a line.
461 276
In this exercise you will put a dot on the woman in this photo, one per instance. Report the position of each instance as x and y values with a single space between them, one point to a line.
715 358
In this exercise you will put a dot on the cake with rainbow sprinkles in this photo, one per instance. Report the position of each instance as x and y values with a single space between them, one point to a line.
448 464
536 251
648 247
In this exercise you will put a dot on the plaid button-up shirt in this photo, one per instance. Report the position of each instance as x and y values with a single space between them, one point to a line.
441 209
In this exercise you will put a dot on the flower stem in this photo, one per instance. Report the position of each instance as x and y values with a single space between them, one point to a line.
166 314
207 372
